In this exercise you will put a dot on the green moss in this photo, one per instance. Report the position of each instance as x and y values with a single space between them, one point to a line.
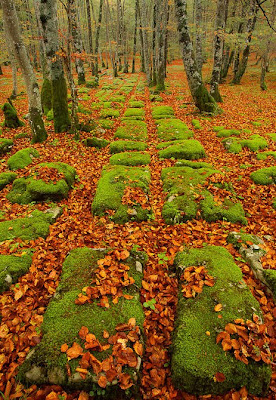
136 104
256 123
105 123
204 101
99 143
11 118
46 96
193 164
255 143
64 319
265 154
274 203
109 113
127 145
82 109
218 128
156 97
133 130
6 178
50 115
62 121
118 99
232 145
162 111
131 159
11 268
93 83
196 357
5 145
196 124
21 135
188 149
272 136
109 104
22 158
264 176
228 132
110 191
239 239
134 112
270 277
83 90
27 190
29 228
173 129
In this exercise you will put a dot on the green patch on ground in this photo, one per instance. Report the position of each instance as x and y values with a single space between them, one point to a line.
173 129
135 113
6 178
130 159
64 319
35 188
22 158
264 176
117 99
5 145
196 357
218 128
111 104
127 145
270 277
111 189
196 124
11 268
187 149
265 154
186 197
156 97
225 133
235 145
272 136
193 164
105 123
109 113
133 130
99 143
136 104
162 112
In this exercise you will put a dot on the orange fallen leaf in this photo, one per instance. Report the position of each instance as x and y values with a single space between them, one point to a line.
64 348
74 352
218 307
219 377
102 382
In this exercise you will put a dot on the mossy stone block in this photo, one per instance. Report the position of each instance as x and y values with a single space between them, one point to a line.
106 123
63 319
187 149
196 357
118 99
11 118
270 277
6 178
136 104
240 239
131 159
173 129
156 97
5 145
134 112
99 143
225 133
196 124
111 189
265 154
193 164
162 111
11 268
218 128
232 145
92 83
264 176
109 113
22 158
83 90
133 130
272 136
127 145
255 143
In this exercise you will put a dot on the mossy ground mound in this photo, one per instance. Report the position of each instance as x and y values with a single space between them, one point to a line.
99 143
270 277
193 164
225 133
183 187
162 112
118 98
40 186
117 181
6 178
264 176
196 124
187 149
106 123
173 129
272 136
11 118
131 159
11 268
196 357
22 158
235 145
112 104
134 113
5 145
136 104
64 319
133 130
109 113
265 154
127 145
32 227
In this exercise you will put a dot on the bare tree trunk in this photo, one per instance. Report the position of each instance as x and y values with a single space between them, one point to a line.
35 114
107 20
161 59
265 56
90 38
199 34
143 15
12 59
154 42
143 69
203 100
135 37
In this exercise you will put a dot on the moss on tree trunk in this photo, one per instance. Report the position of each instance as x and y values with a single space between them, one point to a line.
60 106
46 96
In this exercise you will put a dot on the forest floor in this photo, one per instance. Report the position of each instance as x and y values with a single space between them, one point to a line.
23 305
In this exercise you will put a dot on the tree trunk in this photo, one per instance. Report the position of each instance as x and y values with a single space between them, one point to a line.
135 37
98 37
145 50
1 71
12 60
48 17
203 100
265 56
143 69
199 35
90 38
161 66
35 114
218 48
154 43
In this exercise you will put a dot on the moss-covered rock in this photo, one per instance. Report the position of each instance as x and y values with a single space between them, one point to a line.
156 97
162 112
64 319
265 154
133 130
131 159
11 118
92 83
196 357
225 133
35 188
111 189
218 128
83 90
109 113
32 227
239 239
99 143
232 145
106 123
11 268
264 176
187 149
118 98
196 124
134 113
173 129
270 277
235 145
22 158
6 178
136 104
110 104
127 145
272 136
193 164
5 145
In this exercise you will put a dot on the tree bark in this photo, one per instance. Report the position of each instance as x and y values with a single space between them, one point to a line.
90 37
35 114
199 35
12 60
265 56
203 100
97 39
143 15
135 37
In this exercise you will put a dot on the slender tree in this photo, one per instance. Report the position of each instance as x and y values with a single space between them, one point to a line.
199 34
97 38
135 37
268 43
12 58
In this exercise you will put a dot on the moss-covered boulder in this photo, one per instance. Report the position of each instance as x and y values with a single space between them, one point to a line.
5 145
11 268
253 143
106 123
29 228
134 113
11 118
47 181
22 158
264 176
130 158
196 124
199 364
173 129
265 154
159 112
132 130
232 145
6 178
225 133
122 193
106 336
270 277
118 98
109 113
193 164
272 136
127 145
187 149
99 143
136 104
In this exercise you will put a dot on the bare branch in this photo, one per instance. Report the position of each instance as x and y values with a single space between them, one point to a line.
263 11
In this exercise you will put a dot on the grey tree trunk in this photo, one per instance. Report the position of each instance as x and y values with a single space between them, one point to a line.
97 39
135 37
48 18
203 100
199 34
90 37
35 114
161 59
12 60
154 43
143 14
265 56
